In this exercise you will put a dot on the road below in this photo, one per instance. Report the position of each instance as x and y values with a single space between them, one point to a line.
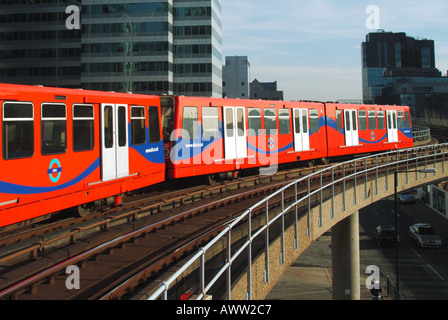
423 272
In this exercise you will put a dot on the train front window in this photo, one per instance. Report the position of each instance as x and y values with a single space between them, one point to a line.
154 126
138 129
54 129
407 120
18 130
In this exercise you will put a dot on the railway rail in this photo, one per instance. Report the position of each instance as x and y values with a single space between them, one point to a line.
59 244
129 248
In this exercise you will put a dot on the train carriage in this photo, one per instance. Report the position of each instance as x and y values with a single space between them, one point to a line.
65 148
358 129
219 137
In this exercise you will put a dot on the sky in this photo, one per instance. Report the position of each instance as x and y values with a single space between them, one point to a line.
313 48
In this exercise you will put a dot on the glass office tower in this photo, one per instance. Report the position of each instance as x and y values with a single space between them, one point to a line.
140 46
36 48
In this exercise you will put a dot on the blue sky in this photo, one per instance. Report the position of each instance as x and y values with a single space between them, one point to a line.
313 48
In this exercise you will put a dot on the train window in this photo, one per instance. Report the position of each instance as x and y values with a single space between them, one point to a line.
284 123
297 120
121 118
210 123
400 119
354 120
190 123
372 120
254 117
240 122
270 123
229 122
304 122
54 128
18 130
314 121
338 120
83 128
348 125
381 123
154 124
362 116
108 127
407 120
138 128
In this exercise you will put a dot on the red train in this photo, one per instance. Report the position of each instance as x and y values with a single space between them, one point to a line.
69 148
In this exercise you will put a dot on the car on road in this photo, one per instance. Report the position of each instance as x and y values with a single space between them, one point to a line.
424 235
407 197
384 235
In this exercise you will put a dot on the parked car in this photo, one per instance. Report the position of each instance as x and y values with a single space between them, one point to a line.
384 235
425 236
407 197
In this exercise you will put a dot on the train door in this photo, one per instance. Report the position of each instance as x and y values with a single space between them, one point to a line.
392 131
301 130
235 141
351 128
114 141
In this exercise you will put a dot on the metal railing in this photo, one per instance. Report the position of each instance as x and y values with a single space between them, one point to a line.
296 198
421 133
432 122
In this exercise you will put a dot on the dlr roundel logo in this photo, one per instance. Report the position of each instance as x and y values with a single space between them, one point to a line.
54 170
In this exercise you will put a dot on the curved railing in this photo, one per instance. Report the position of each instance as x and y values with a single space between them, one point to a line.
298 198
421 133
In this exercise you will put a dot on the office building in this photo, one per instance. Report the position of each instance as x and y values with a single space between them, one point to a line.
398 69
36 47
153 47
236 77
265 91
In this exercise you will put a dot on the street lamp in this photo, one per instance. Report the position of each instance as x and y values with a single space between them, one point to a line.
426 170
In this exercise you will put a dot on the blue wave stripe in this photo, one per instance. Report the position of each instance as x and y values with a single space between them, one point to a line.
11 188
285 148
